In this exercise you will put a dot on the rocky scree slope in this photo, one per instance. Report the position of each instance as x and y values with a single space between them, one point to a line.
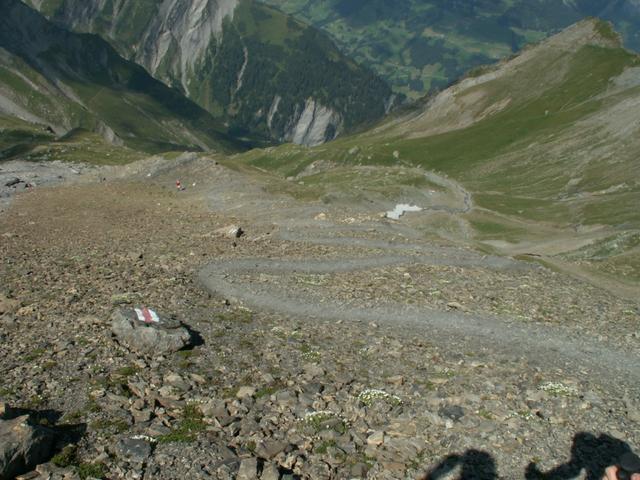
266 74
62 80
275 396
421 45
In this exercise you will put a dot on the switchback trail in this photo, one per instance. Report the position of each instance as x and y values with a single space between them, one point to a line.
545 346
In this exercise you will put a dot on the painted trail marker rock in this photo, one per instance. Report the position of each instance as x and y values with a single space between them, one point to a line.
145 332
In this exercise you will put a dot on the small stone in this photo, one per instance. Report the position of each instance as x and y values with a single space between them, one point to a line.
123 298
359 470
199 379
248 469
633 412
176 381
452 412
214 409
376 439
134 449
455 306
314 370
270 448
141 416
396 380
244 392
270 472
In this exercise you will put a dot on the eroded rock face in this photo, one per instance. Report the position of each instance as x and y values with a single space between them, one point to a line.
22 446
172 40
149 339
315 125
204 49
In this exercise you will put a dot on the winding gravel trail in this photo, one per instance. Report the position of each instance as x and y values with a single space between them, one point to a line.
545 346
377 244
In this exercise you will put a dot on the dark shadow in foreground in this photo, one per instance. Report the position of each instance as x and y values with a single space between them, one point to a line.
589 452
475 465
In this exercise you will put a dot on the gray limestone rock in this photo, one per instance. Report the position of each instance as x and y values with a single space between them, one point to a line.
134 449
22 446
151 339
248 469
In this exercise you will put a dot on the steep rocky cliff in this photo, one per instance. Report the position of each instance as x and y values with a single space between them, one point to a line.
62 81
270 77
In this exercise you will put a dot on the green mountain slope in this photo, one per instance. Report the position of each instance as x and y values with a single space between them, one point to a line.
63 81
267 75
418 45
547 144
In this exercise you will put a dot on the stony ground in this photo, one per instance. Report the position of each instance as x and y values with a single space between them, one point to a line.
267 393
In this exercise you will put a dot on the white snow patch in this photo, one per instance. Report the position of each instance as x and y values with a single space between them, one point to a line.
401 209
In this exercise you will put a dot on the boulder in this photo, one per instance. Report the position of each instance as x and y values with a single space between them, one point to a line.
23 446
150 339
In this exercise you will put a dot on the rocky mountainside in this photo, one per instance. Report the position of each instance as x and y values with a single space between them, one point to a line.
62 81
267 75
340 346
545 144
419 45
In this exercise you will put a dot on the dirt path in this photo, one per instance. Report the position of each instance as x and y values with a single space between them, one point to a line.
548 347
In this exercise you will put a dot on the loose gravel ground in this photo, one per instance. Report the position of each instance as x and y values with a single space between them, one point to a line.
319 357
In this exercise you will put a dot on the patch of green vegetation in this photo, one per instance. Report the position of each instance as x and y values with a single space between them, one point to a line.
91 470
67 457
229 392
188 427
186 358
486 414
115 426
325 420
34 354
127 371
49 365
606 30
240 315
323 447
309 354
487 228
267 391
6 392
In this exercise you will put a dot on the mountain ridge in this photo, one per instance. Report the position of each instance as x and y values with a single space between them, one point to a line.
422 46
546 144
265 74
65 80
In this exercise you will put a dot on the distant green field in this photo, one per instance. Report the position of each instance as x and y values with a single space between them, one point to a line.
420 45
